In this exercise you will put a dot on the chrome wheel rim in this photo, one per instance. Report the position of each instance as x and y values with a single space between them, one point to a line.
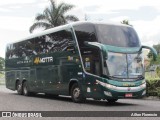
76 92
18 87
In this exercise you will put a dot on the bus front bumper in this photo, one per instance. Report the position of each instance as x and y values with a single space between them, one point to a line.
111 91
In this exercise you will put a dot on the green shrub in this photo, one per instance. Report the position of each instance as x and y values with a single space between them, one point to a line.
153 88
158 71
152 93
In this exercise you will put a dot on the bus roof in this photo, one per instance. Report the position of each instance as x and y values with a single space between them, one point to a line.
62 27
106 23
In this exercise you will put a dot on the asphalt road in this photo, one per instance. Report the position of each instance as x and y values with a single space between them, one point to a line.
11 101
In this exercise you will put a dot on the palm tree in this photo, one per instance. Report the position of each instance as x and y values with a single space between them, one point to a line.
126 22
53 16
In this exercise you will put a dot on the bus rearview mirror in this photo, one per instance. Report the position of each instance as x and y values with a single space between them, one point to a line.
99 46
154 52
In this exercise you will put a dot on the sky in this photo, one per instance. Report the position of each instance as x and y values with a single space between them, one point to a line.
16 16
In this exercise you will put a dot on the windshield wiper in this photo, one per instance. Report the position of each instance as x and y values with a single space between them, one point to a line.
140 77
113 76
108 76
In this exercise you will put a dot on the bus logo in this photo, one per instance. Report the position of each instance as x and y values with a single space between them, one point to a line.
129 88
38 60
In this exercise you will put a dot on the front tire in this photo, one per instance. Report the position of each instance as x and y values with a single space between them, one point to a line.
76 94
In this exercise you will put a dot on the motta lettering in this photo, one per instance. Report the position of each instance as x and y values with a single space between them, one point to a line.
38 60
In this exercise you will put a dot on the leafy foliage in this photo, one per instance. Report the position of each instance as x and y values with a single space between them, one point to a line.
153 85
158 91
157 62
158 71
157 47
126 22
53 16
151 91
1 64
152 62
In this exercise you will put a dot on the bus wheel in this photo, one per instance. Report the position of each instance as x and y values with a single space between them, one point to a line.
112 100
76 94
25 89
19 88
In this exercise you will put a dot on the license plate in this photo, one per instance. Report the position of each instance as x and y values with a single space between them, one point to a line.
128 95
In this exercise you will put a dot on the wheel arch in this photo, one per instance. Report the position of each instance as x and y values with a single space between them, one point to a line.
24 80
72 81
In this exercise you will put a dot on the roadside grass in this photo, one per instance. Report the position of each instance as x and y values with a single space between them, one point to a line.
1 75
2 80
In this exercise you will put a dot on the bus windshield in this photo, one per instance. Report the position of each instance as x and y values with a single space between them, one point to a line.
125 65
120 36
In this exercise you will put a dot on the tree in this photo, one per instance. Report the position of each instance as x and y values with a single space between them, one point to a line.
126 22
1 64
52 16
157 47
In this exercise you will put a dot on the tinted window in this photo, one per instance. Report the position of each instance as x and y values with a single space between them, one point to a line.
61 40
58 41
90 56
11 51
20 49
85 32
120 36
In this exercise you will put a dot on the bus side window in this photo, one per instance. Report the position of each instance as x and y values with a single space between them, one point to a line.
62 40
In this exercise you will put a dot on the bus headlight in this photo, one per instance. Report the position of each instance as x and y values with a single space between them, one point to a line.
131 89
106 85
108 93
110 86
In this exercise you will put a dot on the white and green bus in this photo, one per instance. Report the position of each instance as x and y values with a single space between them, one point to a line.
81 59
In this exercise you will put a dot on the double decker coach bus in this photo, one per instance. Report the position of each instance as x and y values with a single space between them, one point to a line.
81 59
